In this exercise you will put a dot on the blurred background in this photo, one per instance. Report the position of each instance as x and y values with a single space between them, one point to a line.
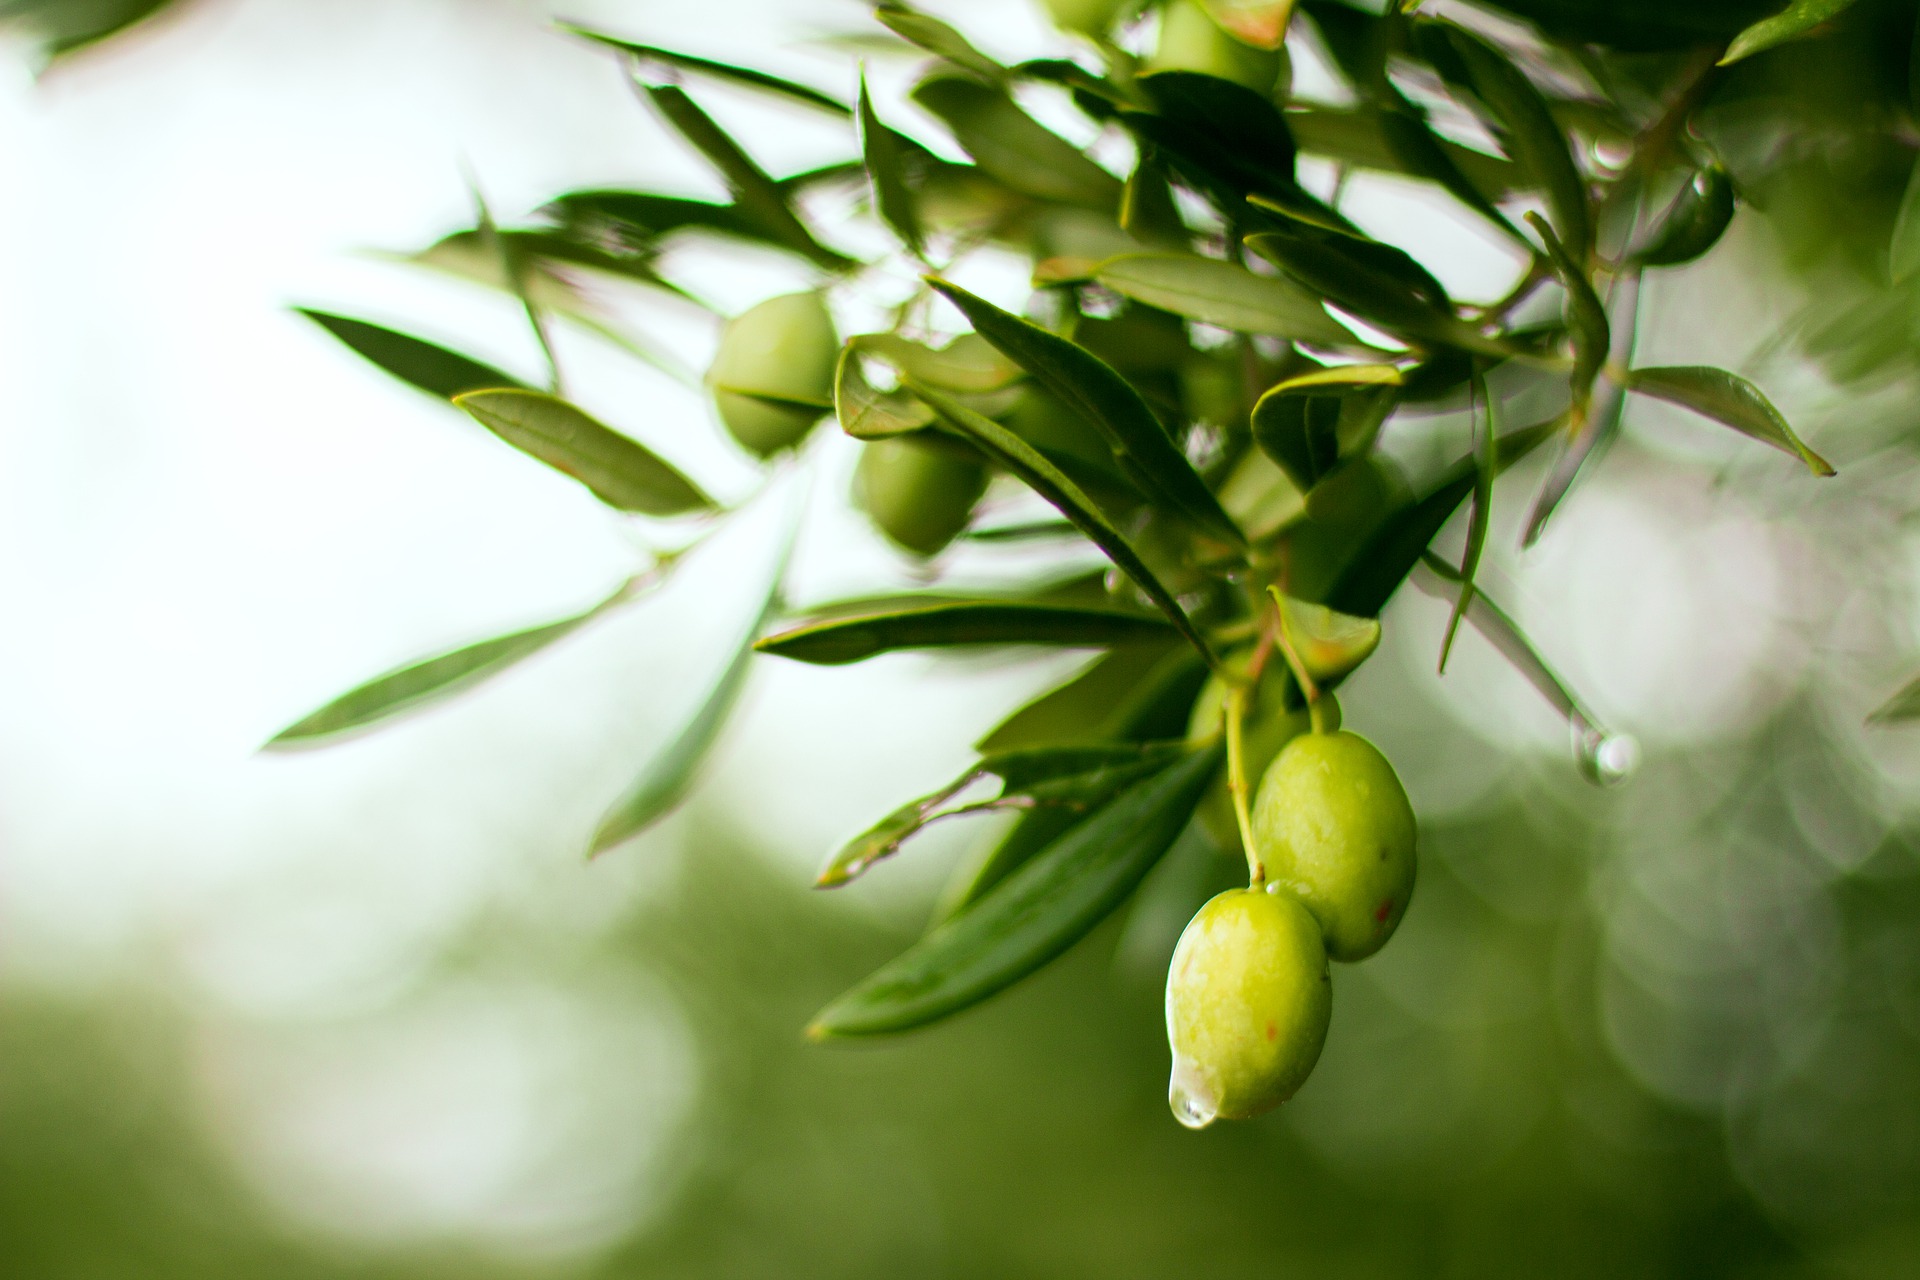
366 1011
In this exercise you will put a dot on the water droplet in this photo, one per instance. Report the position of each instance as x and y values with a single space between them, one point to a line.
1188 1096
1605 759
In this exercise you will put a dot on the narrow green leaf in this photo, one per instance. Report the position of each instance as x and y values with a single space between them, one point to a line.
1032 916
433 369
640 218
1260 23
1309 423
1586 315
1486 451
1903 258
1014 148
1695 221
1223 294
1792 22
1142 447
856 638
620 471
937 38
1023 460
670 774
746 77
1330 645
1220 137
1531 136
1358 138
1902 706
1077 710
868 414
1729 399
885 154
968 365
1074 777
1391 552
430 679
1414 144
755 194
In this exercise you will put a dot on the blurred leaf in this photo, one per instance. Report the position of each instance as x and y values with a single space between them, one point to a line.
1260 23
1903 258
621 472
1329 644
867 414
1075 777
1486 449
1221 137
669 776
1792 22
433 369
745 77
641 217
1730 399
969 364
938 38
754 193
1223 294
1091 387
1695 221
1032 916
1014 148
1530 135
840 640
1019 457
67 26
1358 138
1586 316
1075 711
1370 579
884 152
1414 144
431 679
1307 423
1904 705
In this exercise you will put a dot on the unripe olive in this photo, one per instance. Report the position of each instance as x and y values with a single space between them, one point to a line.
1192 41
1333 827
772 377
1090 17
919 493
1267 726
1248 1001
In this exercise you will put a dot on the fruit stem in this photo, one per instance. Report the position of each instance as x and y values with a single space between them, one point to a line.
1316 714
1236 712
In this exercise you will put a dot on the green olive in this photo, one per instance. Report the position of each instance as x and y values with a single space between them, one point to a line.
1269 724
1192 41
919 493
1090 17
772 377
1248 1001
1333 827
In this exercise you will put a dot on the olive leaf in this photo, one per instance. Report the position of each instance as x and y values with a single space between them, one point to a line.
1223 294
1260 23
869 414
1695 221
854 638
1075 777
620 471
967 365
416 362
1030 917
1309 422
1586 315
938 38
1730 399
1486 458
1014 148
1902 706
641 218
884 152
754 193
1329 644
1369 580
1530 134
1220 137
1024 461
1903 256
1792 22
1142 447
1080 709
668 777
726 72
1359 138
430 679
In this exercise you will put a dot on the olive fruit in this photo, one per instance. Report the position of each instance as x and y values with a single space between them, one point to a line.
1333 827
1248 1000
920 493
1089 17
772 377
1267 725
1192 41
